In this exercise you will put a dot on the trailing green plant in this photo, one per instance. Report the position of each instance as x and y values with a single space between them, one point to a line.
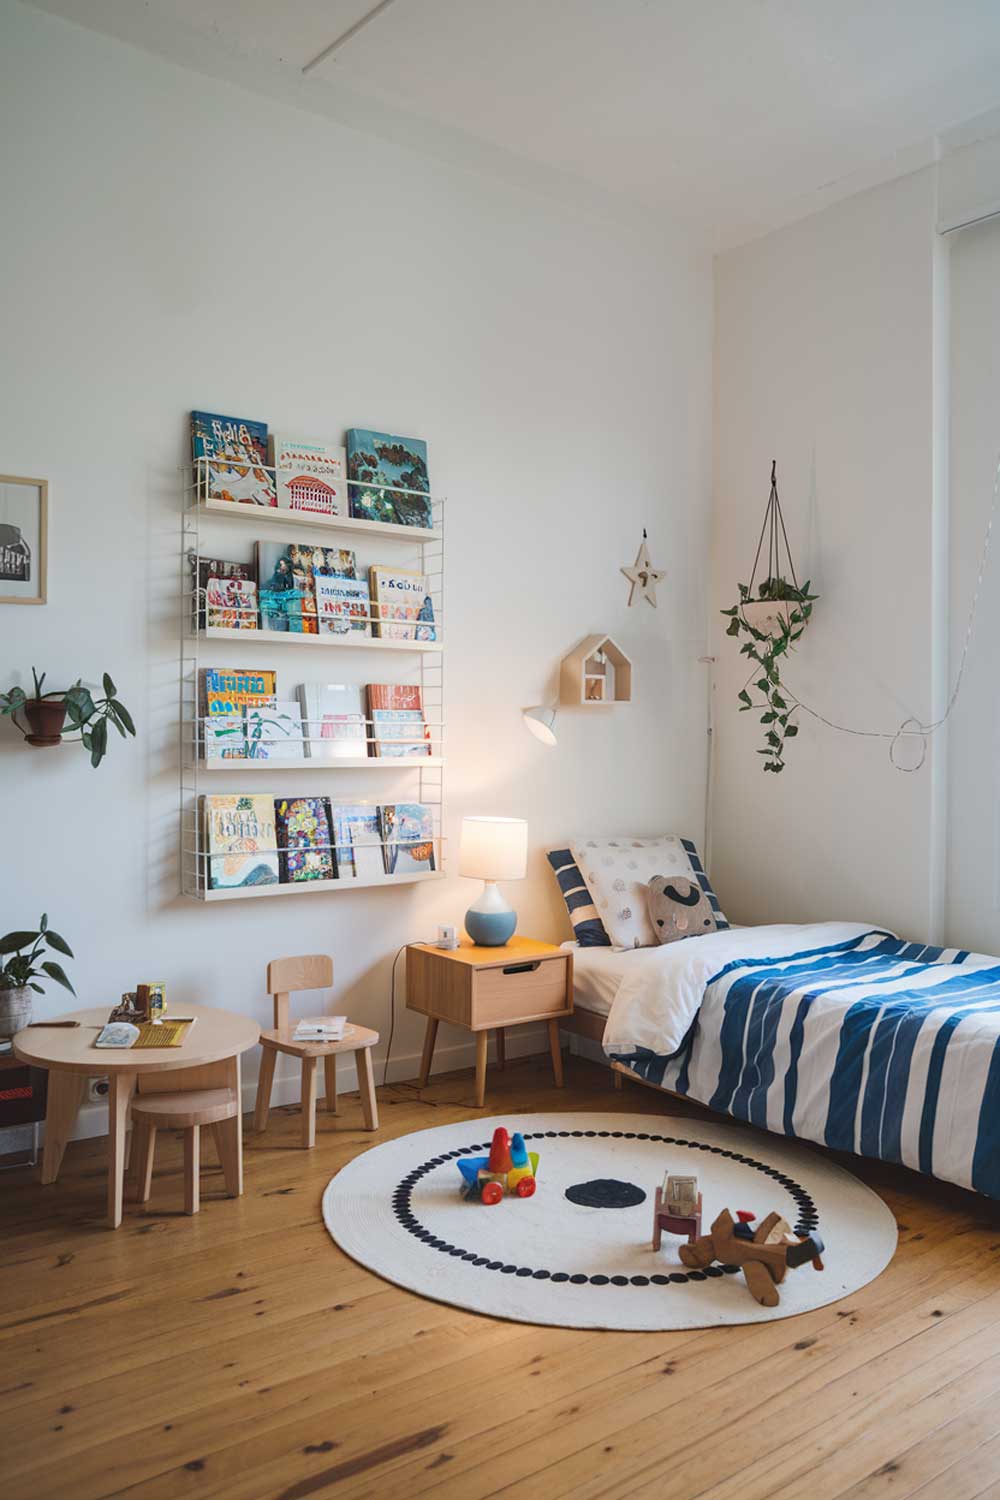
766 653
87 714
23 968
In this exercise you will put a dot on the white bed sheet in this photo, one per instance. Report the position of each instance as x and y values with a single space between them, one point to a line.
597 973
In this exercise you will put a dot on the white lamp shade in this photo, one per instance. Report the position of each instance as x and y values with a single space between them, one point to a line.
494 848
541 721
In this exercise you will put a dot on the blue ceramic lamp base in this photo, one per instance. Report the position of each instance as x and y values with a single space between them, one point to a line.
490 922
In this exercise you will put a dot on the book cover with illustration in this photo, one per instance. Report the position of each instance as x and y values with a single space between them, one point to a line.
341 814
396 712
342 605
204 568
337 562
408 838
274 732
304 839
231 604
401 604
365 830
285 587
379 466
230 456
223 737
229 690
240 840
334 718
310 476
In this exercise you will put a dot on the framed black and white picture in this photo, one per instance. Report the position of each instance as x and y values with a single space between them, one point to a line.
24 505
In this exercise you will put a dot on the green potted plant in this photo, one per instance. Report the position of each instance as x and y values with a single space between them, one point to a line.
47 712
775 602
774 623
22 965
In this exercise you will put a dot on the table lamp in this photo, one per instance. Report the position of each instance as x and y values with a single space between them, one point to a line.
492 849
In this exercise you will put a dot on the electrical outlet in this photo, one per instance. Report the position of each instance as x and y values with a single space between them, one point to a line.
98 1090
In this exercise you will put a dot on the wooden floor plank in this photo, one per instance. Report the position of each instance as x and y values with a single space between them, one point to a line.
242 1356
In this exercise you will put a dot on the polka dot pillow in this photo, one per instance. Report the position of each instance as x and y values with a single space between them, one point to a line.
617 872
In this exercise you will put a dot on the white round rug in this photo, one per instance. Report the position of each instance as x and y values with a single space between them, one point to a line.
398 1209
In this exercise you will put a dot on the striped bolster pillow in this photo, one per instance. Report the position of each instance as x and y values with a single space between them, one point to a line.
588 929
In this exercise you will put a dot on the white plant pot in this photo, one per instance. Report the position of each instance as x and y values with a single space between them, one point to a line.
15 1009
768 615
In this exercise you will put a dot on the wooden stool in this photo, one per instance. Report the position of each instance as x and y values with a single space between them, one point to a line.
188 1112
311 972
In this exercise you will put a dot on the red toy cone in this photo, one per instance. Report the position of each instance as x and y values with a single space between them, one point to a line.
500 1159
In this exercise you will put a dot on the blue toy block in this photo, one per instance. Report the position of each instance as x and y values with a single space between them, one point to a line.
518 1150
470 1168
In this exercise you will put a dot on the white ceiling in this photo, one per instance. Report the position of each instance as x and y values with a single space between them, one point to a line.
730 116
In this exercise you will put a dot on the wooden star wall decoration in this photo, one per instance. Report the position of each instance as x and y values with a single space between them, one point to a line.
643 576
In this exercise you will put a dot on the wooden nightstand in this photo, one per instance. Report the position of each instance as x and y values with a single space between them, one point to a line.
486 989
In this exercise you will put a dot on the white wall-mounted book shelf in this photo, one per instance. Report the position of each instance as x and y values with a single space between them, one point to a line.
212 528
351 640
315 887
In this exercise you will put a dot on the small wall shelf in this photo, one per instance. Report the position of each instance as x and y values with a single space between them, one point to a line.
278 768
314 887
596 673
353 640
271 515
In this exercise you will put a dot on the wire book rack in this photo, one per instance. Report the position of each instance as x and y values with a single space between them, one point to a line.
413 771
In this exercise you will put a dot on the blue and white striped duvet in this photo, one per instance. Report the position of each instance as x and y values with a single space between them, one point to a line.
834 1033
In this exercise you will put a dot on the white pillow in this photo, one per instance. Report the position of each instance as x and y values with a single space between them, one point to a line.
617 872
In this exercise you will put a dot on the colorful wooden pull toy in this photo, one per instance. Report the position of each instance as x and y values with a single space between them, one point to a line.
509 1168
764 1254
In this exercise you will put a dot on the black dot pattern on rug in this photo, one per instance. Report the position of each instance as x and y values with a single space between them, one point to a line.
807 1221
605 1192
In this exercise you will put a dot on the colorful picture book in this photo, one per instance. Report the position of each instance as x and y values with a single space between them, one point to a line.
342 605
231 604
381 466
203 569
341 814
230 456
239 838
305 839
407 838
285 587
401 604
310 476
274 733
334 717
224 737
396 713
229 690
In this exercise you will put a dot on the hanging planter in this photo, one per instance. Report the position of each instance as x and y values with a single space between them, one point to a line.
772 613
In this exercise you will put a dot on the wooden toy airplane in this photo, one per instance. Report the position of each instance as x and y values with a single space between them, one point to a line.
764 1254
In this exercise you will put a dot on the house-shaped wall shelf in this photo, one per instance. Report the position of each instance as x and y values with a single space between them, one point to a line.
595 672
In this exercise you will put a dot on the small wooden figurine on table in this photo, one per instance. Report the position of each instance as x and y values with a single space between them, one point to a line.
764 1254
677 1209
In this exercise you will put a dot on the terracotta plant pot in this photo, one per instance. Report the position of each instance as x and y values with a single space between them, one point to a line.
46 718
15 1010
767 615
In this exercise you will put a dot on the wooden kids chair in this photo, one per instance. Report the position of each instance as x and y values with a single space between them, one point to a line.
311 972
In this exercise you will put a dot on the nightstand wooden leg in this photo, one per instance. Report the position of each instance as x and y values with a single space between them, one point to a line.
482 1042
501 1048
430 1037
556 1050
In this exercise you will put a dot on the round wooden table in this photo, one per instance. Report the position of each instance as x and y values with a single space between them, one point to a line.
208 1057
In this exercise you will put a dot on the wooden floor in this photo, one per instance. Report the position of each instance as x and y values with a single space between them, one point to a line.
241 1354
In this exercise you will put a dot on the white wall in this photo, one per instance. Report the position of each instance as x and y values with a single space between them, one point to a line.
826 360
172 242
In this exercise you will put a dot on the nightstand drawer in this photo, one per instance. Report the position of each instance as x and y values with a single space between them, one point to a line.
521 988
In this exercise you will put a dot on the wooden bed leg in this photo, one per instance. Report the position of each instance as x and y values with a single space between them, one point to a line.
619 1078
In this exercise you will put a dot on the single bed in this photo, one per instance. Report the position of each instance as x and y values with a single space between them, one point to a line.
835 1032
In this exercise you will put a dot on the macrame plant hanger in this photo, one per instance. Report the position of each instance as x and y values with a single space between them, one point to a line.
773 530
